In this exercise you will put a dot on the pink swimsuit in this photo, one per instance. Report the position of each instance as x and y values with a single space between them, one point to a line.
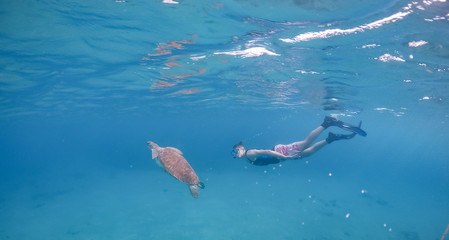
287 150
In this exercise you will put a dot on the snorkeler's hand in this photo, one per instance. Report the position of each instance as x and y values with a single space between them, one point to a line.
296 155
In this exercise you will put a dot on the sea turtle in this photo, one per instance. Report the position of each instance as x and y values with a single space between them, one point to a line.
172 161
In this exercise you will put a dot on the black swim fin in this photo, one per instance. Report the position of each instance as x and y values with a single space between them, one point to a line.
334 137
351 128
330 121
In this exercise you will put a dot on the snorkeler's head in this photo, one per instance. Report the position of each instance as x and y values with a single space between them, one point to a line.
238 145
236 149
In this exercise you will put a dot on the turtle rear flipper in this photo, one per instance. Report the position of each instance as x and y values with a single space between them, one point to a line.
194 190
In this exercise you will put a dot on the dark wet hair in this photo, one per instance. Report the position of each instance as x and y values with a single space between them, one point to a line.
240 144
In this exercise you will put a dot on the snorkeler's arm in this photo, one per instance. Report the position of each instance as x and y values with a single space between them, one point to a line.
257 153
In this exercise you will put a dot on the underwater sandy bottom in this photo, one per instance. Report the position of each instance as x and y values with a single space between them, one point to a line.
250 203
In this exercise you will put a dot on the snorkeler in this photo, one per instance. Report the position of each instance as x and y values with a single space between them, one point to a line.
299 149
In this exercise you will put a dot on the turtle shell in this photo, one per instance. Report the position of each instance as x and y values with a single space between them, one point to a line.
175 164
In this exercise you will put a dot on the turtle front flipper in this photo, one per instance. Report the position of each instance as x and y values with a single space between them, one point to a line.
194 190
154 149
154 154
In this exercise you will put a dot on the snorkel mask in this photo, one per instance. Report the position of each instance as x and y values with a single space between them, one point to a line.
235 149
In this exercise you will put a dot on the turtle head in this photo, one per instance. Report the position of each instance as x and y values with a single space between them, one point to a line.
152 145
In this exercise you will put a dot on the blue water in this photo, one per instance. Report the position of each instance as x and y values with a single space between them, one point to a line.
85 84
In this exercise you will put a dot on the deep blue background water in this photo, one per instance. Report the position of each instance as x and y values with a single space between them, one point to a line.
84 85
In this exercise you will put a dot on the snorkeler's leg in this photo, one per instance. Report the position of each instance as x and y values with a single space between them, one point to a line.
311 137
314 148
